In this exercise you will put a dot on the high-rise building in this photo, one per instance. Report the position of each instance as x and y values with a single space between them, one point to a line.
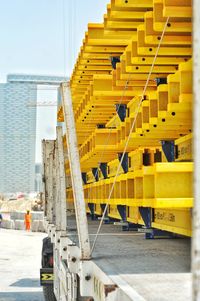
38 177
18 131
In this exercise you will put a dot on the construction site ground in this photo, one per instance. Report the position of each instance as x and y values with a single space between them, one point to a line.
158 270
20 260
19 205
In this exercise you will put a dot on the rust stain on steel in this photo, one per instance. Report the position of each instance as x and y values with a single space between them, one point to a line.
110 288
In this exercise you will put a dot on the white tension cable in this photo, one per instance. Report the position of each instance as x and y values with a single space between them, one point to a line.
130 132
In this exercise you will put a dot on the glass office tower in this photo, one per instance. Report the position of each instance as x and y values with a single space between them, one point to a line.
18 130
17 136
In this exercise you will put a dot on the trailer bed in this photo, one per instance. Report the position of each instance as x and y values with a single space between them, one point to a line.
155 270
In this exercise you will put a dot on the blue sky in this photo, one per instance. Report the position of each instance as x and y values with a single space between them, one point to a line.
32 37
39 37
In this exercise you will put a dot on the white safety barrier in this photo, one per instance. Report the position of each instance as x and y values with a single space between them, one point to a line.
41 226
16 221
19 225
35 226
19 215
8 224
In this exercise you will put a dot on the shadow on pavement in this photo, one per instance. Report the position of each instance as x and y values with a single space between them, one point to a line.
21 296
27 282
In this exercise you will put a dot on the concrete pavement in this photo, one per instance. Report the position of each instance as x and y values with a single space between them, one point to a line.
20 257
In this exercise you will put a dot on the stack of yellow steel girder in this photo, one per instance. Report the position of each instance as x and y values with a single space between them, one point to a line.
110 75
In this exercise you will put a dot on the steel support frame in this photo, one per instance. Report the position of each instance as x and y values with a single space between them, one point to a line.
121 111
95 173
44 182
103 168
168 148
75 170
124 161
107 219
61 215
91 207
151 233
65 281
93 283
48 148
61 191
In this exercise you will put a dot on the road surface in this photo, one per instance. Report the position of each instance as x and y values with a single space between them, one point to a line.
19 265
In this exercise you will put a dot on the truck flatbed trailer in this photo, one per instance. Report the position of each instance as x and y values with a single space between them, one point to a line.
129 250
156 270
126 153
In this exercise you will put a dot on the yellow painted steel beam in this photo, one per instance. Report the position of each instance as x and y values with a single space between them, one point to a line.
94 67
112 168
121 24
145 69
97 55
135 4
165 113
126 15
184 148
186 231
148 186
97 35
178 3
178 13
94 62
159 61
104 49
183 28
91 73
154 39
164 51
